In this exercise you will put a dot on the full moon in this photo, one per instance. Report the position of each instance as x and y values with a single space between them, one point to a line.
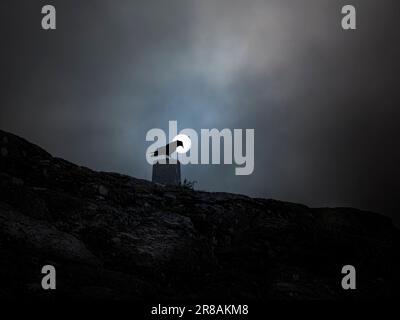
186 143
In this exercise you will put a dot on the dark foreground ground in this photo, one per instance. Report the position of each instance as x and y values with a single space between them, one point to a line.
112 236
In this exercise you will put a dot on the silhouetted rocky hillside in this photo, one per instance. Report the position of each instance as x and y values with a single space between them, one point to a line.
112 236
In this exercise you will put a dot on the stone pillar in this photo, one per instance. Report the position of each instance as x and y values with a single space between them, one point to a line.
167 173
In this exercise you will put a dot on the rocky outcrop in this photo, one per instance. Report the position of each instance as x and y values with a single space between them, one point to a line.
111 236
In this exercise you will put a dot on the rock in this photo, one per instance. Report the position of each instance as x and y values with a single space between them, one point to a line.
103 190
4 152
17 181
116 237
43 238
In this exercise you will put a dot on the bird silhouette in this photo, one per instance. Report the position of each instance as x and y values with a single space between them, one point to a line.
169 149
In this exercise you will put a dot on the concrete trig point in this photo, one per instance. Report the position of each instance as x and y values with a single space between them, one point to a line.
166 172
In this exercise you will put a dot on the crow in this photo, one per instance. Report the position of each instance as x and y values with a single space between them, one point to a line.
169 149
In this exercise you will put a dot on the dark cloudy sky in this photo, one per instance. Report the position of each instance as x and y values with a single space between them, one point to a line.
324 102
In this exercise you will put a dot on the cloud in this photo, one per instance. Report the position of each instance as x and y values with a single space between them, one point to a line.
323 102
